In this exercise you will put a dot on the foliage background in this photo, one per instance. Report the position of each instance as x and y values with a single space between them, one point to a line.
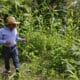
52 28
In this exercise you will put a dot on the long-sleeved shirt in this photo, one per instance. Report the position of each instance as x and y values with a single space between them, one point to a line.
7 35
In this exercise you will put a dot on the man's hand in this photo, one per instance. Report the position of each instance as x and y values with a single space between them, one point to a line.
7 42
24 40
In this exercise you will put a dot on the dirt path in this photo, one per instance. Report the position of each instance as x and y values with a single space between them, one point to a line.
2 66
25 73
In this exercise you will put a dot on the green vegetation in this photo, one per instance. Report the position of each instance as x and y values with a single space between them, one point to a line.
52 28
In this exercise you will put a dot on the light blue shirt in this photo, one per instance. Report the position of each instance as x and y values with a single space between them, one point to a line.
7 35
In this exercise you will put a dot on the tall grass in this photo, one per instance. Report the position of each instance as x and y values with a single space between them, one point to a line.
53 49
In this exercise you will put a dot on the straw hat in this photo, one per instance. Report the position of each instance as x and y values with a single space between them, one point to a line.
11 20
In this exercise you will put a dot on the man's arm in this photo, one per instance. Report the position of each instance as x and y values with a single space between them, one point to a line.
1 38
19 38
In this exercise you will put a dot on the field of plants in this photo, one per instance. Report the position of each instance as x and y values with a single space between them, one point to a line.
52 28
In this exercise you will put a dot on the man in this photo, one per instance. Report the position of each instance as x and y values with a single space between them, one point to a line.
8 38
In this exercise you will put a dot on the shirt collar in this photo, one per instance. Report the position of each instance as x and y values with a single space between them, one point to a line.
5 27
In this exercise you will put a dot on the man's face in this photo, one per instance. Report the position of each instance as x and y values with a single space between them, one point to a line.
11 26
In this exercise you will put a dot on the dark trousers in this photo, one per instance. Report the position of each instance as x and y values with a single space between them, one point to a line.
10 52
